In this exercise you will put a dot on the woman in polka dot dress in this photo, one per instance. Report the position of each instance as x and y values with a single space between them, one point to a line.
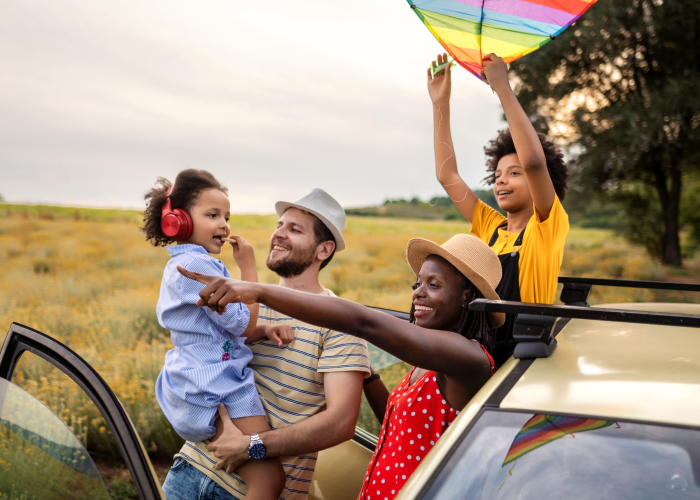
448 344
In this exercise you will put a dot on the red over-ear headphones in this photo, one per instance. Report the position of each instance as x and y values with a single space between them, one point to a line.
176 224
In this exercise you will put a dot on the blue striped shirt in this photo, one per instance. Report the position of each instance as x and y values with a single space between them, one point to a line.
209 362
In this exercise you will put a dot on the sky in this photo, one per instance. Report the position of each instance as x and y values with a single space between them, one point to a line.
98 99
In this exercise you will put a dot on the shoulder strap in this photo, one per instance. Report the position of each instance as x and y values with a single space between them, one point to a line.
494 237
519 241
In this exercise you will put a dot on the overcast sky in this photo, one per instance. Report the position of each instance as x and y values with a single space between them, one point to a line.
273 97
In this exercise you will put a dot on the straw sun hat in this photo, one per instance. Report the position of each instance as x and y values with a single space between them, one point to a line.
471 256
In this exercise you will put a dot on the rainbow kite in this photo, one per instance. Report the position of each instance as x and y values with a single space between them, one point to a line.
543 429
472 29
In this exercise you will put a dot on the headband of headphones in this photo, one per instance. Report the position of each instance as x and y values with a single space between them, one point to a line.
176 223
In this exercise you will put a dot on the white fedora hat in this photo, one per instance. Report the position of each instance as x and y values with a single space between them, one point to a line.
323 206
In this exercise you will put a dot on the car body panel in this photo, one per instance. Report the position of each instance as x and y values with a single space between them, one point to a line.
623 371
340 471
452 436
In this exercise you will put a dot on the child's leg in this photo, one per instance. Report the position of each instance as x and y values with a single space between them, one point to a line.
265 478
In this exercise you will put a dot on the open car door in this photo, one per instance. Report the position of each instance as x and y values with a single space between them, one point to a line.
41 457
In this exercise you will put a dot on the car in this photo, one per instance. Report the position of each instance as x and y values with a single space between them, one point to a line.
597 402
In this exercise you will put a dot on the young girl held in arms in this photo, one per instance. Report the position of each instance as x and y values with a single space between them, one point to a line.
208 365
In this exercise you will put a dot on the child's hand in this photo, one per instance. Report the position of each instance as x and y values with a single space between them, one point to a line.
280 334
440 85
243 252
495 72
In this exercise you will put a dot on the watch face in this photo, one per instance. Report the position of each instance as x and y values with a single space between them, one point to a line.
257 451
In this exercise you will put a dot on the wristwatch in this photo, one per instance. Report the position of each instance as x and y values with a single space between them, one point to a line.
257 449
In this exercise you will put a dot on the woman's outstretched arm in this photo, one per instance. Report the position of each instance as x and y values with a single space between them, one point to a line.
439 88
436 350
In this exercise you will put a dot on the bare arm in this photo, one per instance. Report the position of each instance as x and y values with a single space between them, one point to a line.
377 396
527 144
244 255
436 350
279 334
321 431
439 88
325 429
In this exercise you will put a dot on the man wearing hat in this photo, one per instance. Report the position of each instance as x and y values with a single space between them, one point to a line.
448 343
319 368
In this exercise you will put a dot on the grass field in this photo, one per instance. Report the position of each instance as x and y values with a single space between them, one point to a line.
87 278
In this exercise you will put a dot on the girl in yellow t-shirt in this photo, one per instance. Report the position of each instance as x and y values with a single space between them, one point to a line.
529 177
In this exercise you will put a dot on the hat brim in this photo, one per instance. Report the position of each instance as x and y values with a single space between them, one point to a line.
282 206
419 249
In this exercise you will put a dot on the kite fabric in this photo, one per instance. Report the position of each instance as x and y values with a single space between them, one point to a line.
469 30
543 429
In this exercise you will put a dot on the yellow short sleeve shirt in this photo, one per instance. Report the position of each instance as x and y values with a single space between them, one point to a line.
541 253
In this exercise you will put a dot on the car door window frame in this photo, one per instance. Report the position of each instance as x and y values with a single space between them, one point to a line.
21 339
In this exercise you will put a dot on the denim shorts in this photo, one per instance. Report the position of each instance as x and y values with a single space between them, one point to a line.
185 482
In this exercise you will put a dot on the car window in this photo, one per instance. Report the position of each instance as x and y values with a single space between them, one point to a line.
40 457
392 370
73 408
527 456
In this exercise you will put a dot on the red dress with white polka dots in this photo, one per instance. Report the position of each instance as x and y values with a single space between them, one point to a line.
416 416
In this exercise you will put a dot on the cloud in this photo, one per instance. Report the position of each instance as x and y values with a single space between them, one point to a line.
275 98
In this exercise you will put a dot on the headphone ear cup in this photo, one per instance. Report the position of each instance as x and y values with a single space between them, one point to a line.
177 225
186 225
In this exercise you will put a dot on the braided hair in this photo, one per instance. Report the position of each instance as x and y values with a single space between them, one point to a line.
472 324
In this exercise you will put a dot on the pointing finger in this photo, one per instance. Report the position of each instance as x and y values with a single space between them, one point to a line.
202 278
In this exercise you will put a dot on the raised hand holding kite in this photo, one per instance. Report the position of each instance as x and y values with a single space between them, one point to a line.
470 29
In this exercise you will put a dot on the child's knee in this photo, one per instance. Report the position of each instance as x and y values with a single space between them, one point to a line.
265 479
278 479
273 479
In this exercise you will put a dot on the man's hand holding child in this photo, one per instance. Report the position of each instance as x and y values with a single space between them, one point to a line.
229 444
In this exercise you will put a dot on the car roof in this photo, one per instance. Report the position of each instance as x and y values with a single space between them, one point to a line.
618 370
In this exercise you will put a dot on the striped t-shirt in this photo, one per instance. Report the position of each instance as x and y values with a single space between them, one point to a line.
289 380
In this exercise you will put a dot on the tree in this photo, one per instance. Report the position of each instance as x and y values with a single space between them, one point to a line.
621 88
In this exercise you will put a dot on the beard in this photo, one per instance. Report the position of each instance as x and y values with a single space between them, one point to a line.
293 264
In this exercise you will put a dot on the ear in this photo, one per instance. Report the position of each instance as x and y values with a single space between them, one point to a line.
464 297
324 250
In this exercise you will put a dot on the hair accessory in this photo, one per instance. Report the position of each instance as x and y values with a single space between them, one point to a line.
471 256
175 223
323 206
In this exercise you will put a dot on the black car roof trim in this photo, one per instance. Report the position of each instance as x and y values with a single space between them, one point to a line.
494 400
591 313
652 285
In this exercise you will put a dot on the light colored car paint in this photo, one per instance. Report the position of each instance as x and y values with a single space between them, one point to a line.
618 370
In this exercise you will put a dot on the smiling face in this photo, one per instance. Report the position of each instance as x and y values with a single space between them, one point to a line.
210 220
293 247
438 295
511 188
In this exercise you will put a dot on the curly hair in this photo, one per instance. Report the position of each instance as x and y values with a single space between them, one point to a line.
189 184
503 145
